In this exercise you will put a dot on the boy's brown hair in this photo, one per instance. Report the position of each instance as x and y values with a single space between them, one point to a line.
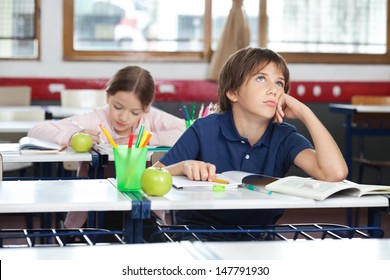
243 64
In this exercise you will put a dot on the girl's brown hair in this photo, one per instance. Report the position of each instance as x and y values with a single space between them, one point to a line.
243 64
133 79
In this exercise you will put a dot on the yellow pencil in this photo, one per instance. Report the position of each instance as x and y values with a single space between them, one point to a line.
143 138
216 180
108 136
143 145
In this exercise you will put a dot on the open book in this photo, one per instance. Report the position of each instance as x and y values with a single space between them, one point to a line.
30 145
234 179
320 190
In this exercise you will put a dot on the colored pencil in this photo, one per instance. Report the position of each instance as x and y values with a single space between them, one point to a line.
109 138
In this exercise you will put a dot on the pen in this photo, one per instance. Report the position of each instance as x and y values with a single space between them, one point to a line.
216 180
193 110
79 126
200 114
183 114
256 189
131 138
186 112
108 136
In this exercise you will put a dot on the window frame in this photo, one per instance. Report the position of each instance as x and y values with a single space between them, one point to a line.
205 56
37 27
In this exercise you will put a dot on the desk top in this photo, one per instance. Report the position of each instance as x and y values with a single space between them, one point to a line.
351 109
241 198
61 196
10 153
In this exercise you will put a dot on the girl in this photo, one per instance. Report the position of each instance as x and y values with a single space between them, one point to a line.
130 93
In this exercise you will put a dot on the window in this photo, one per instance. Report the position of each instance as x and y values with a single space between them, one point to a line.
19 29
303 31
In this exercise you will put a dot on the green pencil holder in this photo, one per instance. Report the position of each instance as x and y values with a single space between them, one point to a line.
130 163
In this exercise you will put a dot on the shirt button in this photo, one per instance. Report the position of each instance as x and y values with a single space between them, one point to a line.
242 142
247 156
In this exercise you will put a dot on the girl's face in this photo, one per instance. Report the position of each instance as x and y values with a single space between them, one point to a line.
125 112
259 95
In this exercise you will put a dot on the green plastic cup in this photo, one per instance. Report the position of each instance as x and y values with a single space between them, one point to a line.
130 163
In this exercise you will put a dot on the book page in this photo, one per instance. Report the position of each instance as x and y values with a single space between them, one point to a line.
308 187
29 144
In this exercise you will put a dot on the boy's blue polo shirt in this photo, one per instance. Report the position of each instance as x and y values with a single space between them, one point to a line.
215 139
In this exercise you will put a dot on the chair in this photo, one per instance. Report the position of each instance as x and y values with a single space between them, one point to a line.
370 121
83 98
15 96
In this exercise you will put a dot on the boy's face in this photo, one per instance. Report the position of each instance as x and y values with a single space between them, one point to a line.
259 95
125 111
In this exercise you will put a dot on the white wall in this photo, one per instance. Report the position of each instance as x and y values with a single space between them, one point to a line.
52 65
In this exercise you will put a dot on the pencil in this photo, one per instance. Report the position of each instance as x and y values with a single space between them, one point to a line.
143 138
108 136
143 145
216 180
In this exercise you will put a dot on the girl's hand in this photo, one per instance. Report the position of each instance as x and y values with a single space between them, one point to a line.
95 135
122 141
199 170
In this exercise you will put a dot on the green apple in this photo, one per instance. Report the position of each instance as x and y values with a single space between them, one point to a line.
81 142
156 181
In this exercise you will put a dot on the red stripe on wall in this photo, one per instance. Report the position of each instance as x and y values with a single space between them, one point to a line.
203 90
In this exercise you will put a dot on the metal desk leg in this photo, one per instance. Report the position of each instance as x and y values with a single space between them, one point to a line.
374 220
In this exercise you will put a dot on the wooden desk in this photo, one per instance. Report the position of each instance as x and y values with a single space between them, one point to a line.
350 131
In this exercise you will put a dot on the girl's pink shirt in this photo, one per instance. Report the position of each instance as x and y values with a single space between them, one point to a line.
166 128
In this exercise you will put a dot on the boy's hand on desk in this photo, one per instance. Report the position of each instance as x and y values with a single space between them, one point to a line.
199 170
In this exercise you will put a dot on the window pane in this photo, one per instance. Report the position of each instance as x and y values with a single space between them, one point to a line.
327 26
220 12
139 25
18 37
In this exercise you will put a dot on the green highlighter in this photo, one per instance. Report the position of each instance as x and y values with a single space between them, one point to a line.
218 188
